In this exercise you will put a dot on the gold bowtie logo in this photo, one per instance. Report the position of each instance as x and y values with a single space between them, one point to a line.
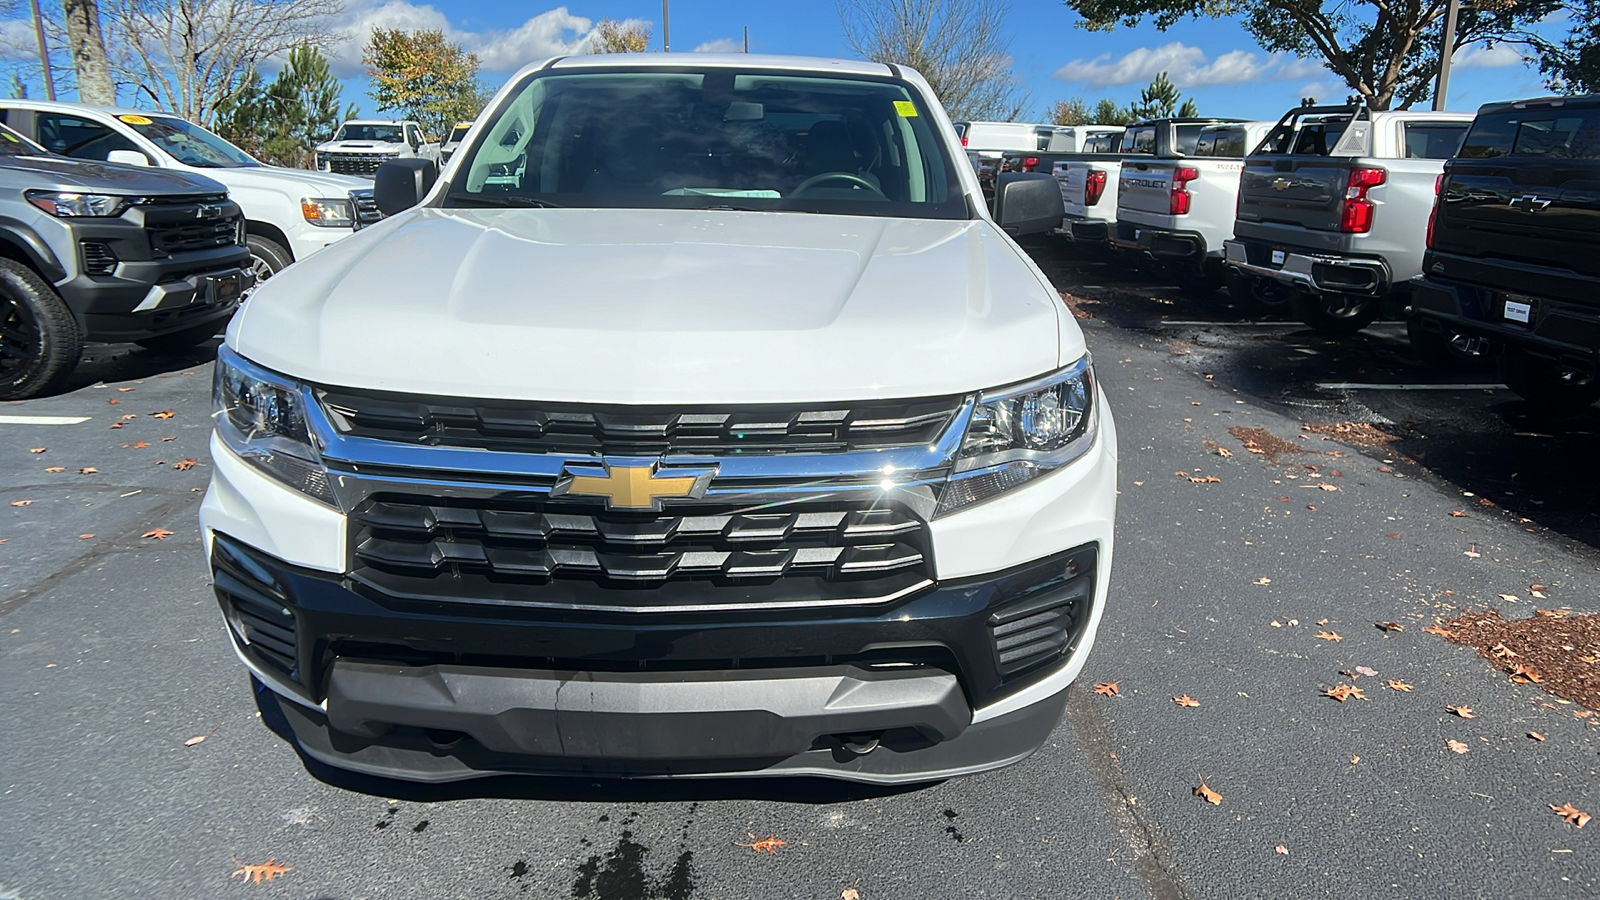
633 486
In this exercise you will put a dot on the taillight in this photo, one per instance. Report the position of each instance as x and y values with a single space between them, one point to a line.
1029 163
1094 186
1433 214
1356 217
963 142
1181 177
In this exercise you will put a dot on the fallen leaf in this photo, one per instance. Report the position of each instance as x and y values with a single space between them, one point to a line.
1435 629
53 469
85 537
1457 746
1391 626
1464 712
38 449
1323 621
21 502
1208 479
1398 685
1330 636
849 894
161 462
1536 736
1327 487
1263 581
267 870
164 414
88 470
1521 674
1355 760
1367 671
1106 688
1276 624
116 424
130 416
1392 537
1342 692
199 738
183 464
1284 499
140 445
1552 613
1531 587
1207 794
1311 506
113 402
157 533
1185 700
768 844
1281 850
1456 514
1471 553
123 390
1571 814
164 440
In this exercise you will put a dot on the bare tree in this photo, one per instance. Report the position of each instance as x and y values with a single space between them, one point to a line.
611 36
188 55
960 46
89 52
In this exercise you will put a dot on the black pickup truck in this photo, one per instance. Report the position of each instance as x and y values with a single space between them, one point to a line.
1514 247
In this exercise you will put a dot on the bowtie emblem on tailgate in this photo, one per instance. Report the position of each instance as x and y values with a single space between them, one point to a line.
633 484
1282 184
1529 203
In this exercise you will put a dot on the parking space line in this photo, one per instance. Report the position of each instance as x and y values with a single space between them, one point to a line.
1358 386
43 420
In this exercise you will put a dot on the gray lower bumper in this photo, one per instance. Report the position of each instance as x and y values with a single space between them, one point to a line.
1316 272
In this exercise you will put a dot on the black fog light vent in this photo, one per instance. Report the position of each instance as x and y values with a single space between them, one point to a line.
268 630
98 258
1035 631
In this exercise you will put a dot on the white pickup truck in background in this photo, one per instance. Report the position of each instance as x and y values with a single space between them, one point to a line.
361 145
1179 209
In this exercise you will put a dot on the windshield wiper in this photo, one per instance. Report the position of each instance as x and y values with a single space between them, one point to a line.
507 201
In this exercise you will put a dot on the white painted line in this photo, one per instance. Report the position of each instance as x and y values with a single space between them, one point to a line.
1357 386
1235 324
43 420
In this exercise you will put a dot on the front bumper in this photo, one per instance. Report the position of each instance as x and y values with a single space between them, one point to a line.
1316 272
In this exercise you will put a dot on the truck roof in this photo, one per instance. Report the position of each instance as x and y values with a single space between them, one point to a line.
375 121
1186 120
65 106
1585 101
718 60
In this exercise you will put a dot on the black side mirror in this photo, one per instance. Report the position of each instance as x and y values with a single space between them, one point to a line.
1027 203
400 184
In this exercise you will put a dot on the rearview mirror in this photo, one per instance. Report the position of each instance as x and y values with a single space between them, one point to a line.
400 184
1027 203
128 158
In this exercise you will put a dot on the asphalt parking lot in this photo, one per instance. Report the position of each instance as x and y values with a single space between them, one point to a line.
1251 582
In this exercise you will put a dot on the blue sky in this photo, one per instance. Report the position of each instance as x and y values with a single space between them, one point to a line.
1214 61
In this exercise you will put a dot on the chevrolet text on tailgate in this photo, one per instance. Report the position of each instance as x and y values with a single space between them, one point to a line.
700 420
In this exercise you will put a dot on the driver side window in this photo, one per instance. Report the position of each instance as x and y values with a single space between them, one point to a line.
78 138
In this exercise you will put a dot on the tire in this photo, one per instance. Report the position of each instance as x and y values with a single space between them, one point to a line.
1333 314
267 257
1257 297
179 341
39 339
1446 350
1539 381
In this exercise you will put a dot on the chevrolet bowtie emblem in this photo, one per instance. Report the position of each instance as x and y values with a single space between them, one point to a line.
636 484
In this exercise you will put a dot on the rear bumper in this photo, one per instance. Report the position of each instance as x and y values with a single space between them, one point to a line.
1558 329
1315 272
1086 231
1160 243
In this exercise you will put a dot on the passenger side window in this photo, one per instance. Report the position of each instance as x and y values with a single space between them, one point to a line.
1432 140
78 138
1139 140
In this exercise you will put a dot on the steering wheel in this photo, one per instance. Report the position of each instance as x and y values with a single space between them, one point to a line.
853 180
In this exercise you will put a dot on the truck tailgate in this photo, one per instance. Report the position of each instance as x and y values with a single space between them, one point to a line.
1302 191
1146 186
1543 215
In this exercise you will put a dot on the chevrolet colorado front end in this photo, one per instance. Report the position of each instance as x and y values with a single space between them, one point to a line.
702 421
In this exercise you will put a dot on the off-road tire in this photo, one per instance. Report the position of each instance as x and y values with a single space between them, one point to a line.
1538 381
180 341
1334 315
1257 297
40 342
1447 351
267 257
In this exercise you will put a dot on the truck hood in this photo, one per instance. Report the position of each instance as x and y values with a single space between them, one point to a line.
661 306
60 173
296 182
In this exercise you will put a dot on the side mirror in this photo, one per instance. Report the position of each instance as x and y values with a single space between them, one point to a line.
128 158
1027 203
400 184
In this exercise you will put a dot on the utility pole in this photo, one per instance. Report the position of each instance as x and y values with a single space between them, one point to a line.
666 30
1442 89
747 39
44 52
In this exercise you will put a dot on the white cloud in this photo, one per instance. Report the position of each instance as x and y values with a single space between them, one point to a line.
1478 56
721 45
1187 66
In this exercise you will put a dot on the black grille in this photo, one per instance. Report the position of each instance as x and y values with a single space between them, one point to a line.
367 212
555 553
253 604
1038 629
638 430
199 234
363 164
98 258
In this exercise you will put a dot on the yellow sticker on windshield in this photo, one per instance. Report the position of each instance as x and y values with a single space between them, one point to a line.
905 108
135 120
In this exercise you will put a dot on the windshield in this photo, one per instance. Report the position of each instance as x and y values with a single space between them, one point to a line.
384 134
459 134
13 144
711 138
188 143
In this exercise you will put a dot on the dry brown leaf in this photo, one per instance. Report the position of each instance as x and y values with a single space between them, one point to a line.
116 424
1521 674
1342 692
849 894
1281 850
1536 736
165 439
1457 514
1392 537
21 502
164 414
38 449
1330 636
123 390
157 533
1208 479
1327 487
183 464
1435 629
1552 613
1396 684
1391 626
1571 814
1503 652
140 445
54 469
1106 688
1464 712
1185 700
1457 746
1355 760
85 537
267 870
768 844
1207 794
88 470
199 738
130 417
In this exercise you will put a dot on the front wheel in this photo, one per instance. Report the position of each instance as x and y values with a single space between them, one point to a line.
267 257
1541 382
1441 348
1335 314
39 339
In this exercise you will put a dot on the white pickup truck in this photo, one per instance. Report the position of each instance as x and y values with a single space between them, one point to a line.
788 461
1179 209
290 213
1090 183
361 145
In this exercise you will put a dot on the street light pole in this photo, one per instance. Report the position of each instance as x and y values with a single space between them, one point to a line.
666 29
1442 89
44 52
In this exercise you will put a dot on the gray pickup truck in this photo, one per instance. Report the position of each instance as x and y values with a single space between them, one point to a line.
1333 211
104 252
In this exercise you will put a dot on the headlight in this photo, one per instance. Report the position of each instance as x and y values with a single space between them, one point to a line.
328 212
262 417
1020 432
70 205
